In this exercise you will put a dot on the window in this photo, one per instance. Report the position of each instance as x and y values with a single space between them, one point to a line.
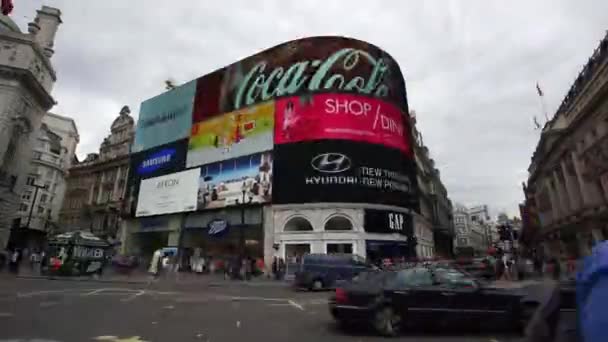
47 185
338 223
30 180
474 218
453 278
413 277
297 224
43 198
23 207
27 195
345 248
49 174
40 209
37 155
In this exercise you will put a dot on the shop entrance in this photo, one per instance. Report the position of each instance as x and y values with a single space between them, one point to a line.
378 250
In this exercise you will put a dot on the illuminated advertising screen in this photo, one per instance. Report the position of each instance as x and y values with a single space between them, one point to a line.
343 171
341 116
173 193
165 118
229 182
238 133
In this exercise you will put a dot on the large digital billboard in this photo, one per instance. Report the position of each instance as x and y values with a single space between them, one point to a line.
341 116
173 193
343 171
238 133
165 118
246 179
304 66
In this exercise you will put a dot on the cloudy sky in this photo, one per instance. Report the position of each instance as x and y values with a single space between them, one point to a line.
470 66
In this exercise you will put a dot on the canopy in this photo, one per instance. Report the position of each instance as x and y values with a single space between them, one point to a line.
79 237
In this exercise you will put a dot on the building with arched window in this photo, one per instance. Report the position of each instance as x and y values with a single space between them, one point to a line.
26 81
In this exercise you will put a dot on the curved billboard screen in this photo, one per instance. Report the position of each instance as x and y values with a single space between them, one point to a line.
321 119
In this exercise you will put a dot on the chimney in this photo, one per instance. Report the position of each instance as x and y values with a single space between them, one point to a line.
45 27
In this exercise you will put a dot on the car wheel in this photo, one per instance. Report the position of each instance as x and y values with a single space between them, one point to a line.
387 322
317 285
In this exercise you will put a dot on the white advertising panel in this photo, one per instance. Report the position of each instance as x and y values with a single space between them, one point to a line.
168 194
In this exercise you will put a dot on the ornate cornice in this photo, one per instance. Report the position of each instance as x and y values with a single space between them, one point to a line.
27 78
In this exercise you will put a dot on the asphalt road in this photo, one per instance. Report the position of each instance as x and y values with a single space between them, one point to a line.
65 311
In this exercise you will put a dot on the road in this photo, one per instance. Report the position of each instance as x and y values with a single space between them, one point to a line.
65 311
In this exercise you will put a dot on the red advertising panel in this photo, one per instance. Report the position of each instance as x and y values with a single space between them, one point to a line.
340 117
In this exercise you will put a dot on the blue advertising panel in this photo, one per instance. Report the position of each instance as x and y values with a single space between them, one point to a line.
165 118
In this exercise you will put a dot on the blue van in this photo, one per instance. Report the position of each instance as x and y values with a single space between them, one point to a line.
325 271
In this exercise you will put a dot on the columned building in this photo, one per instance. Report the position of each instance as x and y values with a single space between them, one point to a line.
45 187
96 186
26 80
434 226
567 188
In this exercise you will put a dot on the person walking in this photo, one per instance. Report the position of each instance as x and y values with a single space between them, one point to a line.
14 261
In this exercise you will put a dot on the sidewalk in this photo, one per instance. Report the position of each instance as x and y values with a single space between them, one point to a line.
141 277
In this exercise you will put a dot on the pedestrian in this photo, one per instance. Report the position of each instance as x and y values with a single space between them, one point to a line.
155 263
15 258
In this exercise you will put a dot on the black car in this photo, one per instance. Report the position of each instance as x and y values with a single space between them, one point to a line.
321 271
391 300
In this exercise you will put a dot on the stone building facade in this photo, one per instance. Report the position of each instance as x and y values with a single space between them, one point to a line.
566 210
52 156
96 186
26 81
434 226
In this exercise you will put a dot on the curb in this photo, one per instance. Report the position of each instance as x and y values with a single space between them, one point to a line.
83 279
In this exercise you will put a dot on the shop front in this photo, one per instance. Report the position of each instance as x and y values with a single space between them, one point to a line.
222 235
390 235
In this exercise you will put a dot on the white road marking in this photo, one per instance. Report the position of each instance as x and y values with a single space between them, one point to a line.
295 305
169 307
40 293
47 304
92 293
238 324
279 304
5 314
264 299
133 296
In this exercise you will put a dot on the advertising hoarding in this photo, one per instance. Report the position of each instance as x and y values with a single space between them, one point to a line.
343 171
225 183
165 118
388 221
173 193
304 66
159 160
238 133
341 116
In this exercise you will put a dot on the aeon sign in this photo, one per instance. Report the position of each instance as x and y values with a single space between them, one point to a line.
156 161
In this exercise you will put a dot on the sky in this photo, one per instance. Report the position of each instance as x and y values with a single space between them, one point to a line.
471 67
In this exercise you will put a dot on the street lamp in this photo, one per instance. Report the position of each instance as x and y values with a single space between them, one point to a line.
243 204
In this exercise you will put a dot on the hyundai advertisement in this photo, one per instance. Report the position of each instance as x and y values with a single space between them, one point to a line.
343 171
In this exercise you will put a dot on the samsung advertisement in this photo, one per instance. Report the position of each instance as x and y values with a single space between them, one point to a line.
343 171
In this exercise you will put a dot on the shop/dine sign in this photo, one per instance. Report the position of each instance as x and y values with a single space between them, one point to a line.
217 227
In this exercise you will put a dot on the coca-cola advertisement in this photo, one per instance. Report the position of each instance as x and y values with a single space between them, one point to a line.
340 117
304 66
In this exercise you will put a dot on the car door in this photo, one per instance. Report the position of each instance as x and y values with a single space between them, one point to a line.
469 303
417 298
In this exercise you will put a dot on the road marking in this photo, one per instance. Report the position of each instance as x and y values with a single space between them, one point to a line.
92 293
47 304
169 307
6 314
295 305
264 299
39 293
133 296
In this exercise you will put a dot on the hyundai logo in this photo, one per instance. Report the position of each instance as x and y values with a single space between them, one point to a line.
156 161
331 163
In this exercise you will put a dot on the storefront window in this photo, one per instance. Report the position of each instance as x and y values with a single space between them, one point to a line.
338 223
297 224
346 248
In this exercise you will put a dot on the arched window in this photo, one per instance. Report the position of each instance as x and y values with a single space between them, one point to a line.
338 223
297 224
